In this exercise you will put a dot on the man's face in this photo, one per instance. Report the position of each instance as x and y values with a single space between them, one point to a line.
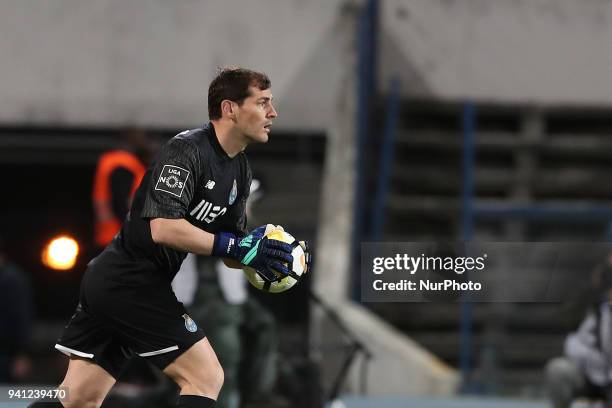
254 117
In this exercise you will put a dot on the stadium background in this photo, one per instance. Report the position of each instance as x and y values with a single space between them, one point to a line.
398 120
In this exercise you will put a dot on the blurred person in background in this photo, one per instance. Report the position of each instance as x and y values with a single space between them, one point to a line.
585 371
15 321
118 175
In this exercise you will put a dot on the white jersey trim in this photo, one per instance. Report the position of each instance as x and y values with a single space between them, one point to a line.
154 353
68 351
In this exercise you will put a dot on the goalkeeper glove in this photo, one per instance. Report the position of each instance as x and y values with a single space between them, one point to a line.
266 256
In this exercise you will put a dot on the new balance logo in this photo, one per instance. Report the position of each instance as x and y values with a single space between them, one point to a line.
210 184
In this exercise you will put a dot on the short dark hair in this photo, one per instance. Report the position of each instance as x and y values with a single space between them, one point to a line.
233 83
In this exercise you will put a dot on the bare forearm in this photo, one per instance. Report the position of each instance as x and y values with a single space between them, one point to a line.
180 234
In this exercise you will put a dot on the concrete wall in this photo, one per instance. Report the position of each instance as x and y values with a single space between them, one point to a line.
150 61
542 51
398 366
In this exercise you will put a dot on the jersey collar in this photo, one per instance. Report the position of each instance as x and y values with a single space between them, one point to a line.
212 136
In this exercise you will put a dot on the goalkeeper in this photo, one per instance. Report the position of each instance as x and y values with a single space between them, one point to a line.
192 199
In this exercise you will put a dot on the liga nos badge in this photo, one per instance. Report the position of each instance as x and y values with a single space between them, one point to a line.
172 180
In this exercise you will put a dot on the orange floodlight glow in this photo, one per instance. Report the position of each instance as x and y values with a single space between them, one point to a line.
60 253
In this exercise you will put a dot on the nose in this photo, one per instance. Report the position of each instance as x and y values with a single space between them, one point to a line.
272 112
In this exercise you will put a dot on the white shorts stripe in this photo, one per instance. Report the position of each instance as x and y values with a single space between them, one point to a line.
68 351
162 351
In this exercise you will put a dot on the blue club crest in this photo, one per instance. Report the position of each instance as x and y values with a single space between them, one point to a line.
233 193
190 325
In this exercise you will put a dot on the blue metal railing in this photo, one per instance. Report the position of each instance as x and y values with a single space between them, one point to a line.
387 154
469 153
366 80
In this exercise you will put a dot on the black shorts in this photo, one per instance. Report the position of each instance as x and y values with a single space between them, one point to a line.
121 315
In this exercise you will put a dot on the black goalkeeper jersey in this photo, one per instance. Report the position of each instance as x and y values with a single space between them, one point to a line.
192 178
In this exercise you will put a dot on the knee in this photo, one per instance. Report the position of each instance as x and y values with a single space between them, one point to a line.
559 369
209 381
217 377
81 396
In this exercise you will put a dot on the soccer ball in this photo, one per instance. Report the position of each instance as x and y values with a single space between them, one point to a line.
296 271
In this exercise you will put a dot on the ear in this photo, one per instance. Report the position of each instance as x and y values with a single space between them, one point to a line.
227 108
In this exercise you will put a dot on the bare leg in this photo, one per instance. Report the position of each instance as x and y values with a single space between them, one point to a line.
87 384
197 371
